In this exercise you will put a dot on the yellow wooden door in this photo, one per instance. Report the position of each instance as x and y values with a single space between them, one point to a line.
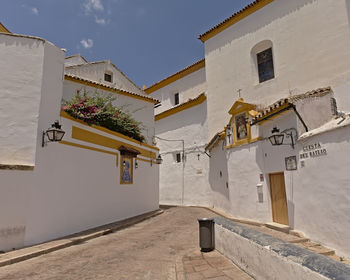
278 198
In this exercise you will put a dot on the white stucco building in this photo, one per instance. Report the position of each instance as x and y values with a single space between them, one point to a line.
53 189
275 63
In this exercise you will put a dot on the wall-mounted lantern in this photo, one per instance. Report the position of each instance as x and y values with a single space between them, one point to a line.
54 133
277 137
159 159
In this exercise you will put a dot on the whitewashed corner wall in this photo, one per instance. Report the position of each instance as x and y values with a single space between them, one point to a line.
185 182
21 71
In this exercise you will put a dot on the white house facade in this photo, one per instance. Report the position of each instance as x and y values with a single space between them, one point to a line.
276 72
92 177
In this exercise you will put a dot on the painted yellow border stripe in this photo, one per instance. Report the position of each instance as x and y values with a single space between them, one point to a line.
4 29
244 142
94 138
66 116
183 73
200 99
248 10
103 87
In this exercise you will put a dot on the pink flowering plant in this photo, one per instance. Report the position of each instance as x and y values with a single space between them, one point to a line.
99 110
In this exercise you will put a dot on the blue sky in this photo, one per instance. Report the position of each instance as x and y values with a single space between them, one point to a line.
147 39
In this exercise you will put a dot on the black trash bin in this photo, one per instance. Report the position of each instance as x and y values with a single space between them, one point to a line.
206 234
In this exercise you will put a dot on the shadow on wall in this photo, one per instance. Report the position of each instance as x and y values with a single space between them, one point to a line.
272 12
348 9
218 173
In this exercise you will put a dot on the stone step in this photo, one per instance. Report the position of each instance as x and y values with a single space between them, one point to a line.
299 240
317 248
279 227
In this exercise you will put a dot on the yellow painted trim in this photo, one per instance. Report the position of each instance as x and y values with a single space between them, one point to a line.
189 70
248 10
103 87
244 142
94 138
89 148
67 116
240 106
200 99
272 112
3 29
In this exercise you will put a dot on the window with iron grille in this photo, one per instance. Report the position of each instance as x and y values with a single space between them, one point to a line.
265 65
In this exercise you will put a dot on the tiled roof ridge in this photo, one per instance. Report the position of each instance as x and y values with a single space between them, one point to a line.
290 100
110 87
74 55
106 61
24 36
177 73
244 9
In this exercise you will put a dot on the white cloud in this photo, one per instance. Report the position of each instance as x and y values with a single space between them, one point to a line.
100 21
87 44
93 5
35 11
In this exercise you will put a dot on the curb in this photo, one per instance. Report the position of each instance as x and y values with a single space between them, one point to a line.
55 245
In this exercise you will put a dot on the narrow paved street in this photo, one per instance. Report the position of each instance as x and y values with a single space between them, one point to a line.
163 247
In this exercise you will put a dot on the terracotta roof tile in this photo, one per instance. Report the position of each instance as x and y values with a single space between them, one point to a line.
290 100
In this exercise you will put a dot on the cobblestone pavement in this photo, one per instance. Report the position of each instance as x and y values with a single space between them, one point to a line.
163 247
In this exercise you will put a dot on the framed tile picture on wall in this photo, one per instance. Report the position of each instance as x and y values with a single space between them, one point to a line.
126 170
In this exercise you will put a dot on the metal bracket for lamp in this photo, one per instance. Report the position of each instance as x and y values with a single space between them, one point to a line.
277 137
53 134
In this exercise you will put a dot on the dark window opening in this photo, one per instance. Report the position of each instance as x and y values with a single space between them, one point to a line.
108 77
176 98
265 65
178 157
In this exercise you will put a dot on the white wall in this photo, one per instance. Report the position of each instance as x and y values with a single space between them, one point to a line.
68 189
96 71
188 87
322 192
309 52
76 189
21 72
71 189
188 181
139 109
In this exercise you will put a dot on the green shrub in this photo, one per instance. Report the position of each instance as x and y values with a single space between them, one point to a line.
99 110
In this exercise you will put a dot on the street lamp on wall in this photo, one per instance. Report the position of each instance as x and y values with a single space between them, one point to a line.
277 137
159 159
54 133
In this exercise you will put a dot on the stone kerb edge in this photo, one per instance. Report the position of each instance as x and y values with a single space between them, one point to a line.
326 267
